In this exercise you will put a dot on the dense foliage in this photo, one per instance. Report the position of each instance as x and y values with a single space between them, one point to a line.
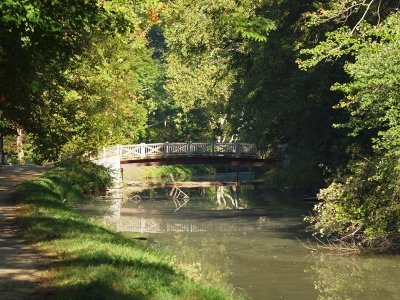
313 83
205 40
78 78
362 203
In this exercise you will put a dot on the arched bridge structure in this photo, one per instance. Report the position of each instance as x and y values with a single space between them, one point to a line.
182 153
156 154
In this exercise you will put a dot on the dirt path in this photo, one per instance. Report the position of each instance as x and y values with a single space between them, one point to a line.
19 263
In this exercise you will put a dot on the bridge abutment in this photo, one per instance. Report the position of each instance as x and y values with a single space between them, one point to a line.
113 163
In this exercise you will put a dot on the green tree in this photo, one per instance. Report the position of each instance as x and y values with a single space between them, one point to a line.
43 48
206 42
285 111
362 202
102 96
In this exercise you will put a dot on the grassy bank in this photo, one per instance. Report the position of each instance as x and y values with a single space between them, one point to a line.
166 173
178 172
88 261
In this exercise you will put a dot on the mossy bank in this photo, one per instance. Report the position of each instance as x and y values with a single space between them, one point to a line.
87 260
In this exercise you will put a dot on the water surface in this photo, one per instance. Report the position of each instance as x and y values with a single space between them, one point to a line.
248 238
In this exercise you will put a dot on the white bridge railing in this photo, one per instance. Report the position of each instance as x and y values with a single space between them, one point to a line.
163 150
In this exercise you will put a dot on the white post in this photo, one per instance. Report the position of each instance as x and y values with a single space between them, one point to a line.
166 149
237 145
142 150
189 147
118 150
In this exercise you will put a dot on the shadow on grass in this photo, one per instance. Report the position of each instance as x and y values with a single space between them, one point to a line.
47 228
37 189
96 290
99 259
95 267
93 262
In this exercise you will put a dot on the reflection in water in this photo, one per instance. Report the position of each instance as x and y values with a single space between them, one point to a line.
249 242
225 197
163 224
179 197
221 197
355 277
206 263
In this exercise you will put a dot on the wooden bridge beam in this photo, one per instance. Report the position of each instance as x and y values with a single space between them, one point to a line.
233 161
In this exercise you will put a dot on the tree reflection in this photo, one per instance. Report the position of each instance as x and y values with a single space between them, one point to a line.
219 197
205 263
358 277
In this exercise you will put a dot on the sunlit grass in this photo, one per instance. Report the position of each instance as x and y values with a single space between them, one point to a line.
89 261
164 173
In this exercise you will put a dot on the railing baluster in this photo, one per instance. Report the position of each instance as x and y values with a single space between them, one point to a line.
166 149
142 150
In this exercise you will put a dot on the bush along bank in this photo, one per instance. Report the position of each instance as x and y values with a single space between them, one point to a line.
90 261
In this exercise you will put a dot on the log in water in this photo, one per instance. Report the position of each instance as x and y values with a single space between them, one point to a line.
188 184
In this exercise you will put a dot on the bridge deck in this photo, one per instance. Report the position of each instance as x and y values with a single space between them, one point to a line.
234 161
187 149
158 150
158 154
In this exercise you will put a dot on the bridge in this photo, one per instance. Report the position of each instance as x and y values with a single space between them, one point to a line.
156 154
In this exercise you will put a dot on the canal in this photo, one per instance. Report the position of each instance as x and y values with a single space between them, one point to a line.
246 238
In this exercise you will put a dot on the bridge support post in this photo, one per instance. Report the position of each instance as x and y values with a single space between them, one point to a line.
142 150
190 150
114 163
237 149
212 148
166 149
119 150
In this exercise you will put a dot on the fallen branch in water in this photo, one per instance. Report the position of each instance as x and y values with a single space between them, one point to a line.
337 246
354 245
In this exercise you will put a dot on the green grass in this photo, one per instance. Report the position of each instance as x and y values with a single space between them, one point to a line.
90 261
160 173
178 172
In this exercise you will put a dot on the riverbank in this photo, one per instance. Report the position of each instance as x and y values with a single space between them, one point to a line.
151 174
90 261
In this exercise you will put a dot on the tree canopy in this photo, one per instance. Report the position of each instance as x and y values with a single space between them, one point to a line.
80 77
313 83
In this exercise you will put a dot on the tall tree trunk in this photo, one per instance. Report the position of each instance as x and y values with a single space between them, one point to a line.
20 145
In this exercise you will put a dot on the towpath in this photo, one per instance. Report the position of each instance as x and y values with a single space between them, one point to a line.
19 263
